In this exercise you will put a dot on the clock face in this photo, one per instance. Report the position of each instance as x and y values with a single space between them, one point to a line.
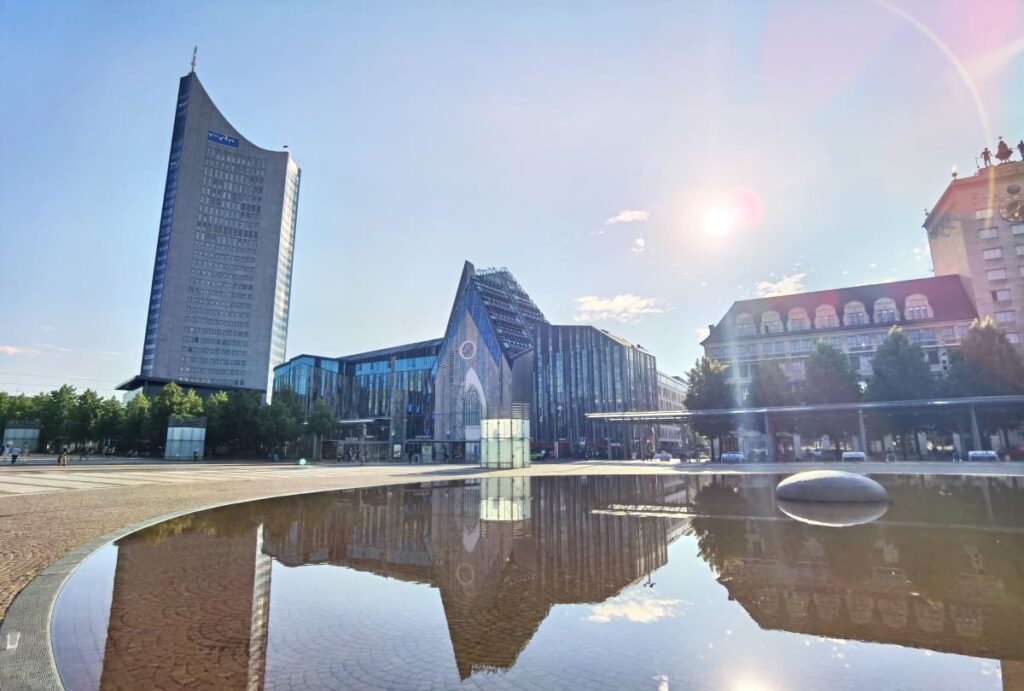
467 350
1012 209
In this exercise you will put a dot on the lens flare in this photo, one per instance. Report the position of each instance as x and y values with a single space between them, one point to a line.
719 221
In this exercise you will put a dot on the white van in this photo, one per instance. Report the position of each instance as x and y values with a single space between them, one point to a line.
985 456
854 456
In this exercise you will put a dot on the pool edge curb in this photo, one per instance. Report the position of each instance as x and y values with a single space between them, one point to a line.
31 664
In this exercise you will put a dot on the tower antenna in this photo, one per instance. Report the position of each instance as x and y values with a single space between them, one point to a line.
195 51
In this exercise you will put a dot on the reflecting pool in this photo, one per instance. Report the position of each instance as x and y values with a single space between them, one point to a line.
661 582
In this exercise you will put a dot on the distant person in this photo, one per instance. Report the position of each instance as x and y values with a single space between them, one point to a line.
195 455
956 456
1020 148
62 459
83 453
15 452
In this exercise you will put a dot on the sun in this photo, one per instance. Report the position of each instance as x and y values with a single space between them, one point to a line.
719 221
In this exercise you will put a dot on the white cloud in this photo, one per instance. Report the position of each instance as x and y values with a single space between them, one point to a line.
702 332
639 245
629 216
794 283
634 608
15 350
621 308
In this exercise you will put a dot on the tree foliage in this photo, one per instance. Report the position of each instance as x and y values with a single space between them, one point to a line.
237 422
901 372
830 377
987 364
707 389
769 386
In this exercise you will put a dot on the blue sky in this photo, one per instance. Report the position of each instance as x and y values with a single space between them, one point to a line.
754 146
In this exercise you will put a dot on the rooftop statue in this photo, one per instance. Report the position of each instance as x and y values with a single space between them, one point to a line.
986 156
1003 151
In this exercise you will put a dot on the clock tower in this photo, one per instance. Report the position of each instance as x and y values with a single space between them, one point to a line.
977 229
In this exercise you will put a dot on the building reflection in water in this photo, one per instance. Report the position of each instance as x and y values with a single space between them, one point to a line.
942 570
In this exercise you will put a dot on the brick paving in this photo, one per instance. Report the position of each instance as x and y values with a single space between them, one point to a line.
46 511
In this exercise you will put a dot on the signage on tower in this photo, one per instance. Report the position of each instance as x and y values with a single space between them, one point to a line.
223 139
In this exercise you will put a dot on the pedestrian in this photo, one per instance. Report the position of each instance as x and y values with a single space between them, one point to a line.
15 452
3 451
195 455
62 459
956 455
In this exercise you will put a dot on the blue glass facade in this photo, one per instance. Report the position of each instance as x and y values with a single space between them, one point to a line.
498 353
166 218
580 370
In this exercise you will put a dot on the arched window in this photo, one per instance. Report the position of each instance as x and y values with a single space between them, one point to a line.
798 320
771 323
471 409
854 314
917 307
825 317
745 325
885 311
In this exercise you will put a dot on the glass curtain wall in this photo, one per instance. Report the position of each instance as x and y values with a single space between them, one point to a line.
580 370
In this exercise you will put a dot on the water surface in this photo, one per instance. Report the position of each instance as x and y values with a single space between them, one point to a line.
617 581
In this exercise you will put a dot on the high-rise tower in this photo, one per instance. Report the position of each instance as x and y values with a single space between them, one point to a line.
977 229
218 306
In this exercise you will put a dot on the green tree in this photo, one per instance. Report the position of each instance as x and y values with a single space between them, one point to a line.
137 422
56 413
218 424
829 379
901 373
707 389
278 424
292 401
987 364
769 386
242 425
321 423
110 422
171 400
19 407
85 417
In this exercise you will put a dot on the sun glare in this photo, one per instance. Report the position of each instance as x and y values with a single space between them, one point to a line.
719 221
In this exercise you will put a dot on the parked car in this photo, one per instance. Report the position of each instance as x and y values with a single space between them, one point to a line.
663 456
984 456
854 456
732 457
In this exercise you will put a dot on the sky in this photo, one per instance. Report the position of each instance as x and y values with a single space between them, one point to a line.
637 166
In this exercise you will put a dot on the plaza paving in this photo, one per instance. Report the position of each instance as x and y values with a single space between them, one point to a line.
46 510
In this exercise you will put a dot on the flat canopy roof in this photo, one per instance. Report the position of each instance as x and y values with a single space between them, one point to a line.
924 405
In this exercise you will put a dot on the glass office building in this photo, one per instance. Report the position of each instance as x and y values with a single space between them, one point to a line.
383 399
583 369
219 299
311 378
437 400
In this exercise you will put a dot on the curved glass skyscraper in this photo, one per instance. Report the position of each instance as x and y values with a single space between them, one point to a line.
218 306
